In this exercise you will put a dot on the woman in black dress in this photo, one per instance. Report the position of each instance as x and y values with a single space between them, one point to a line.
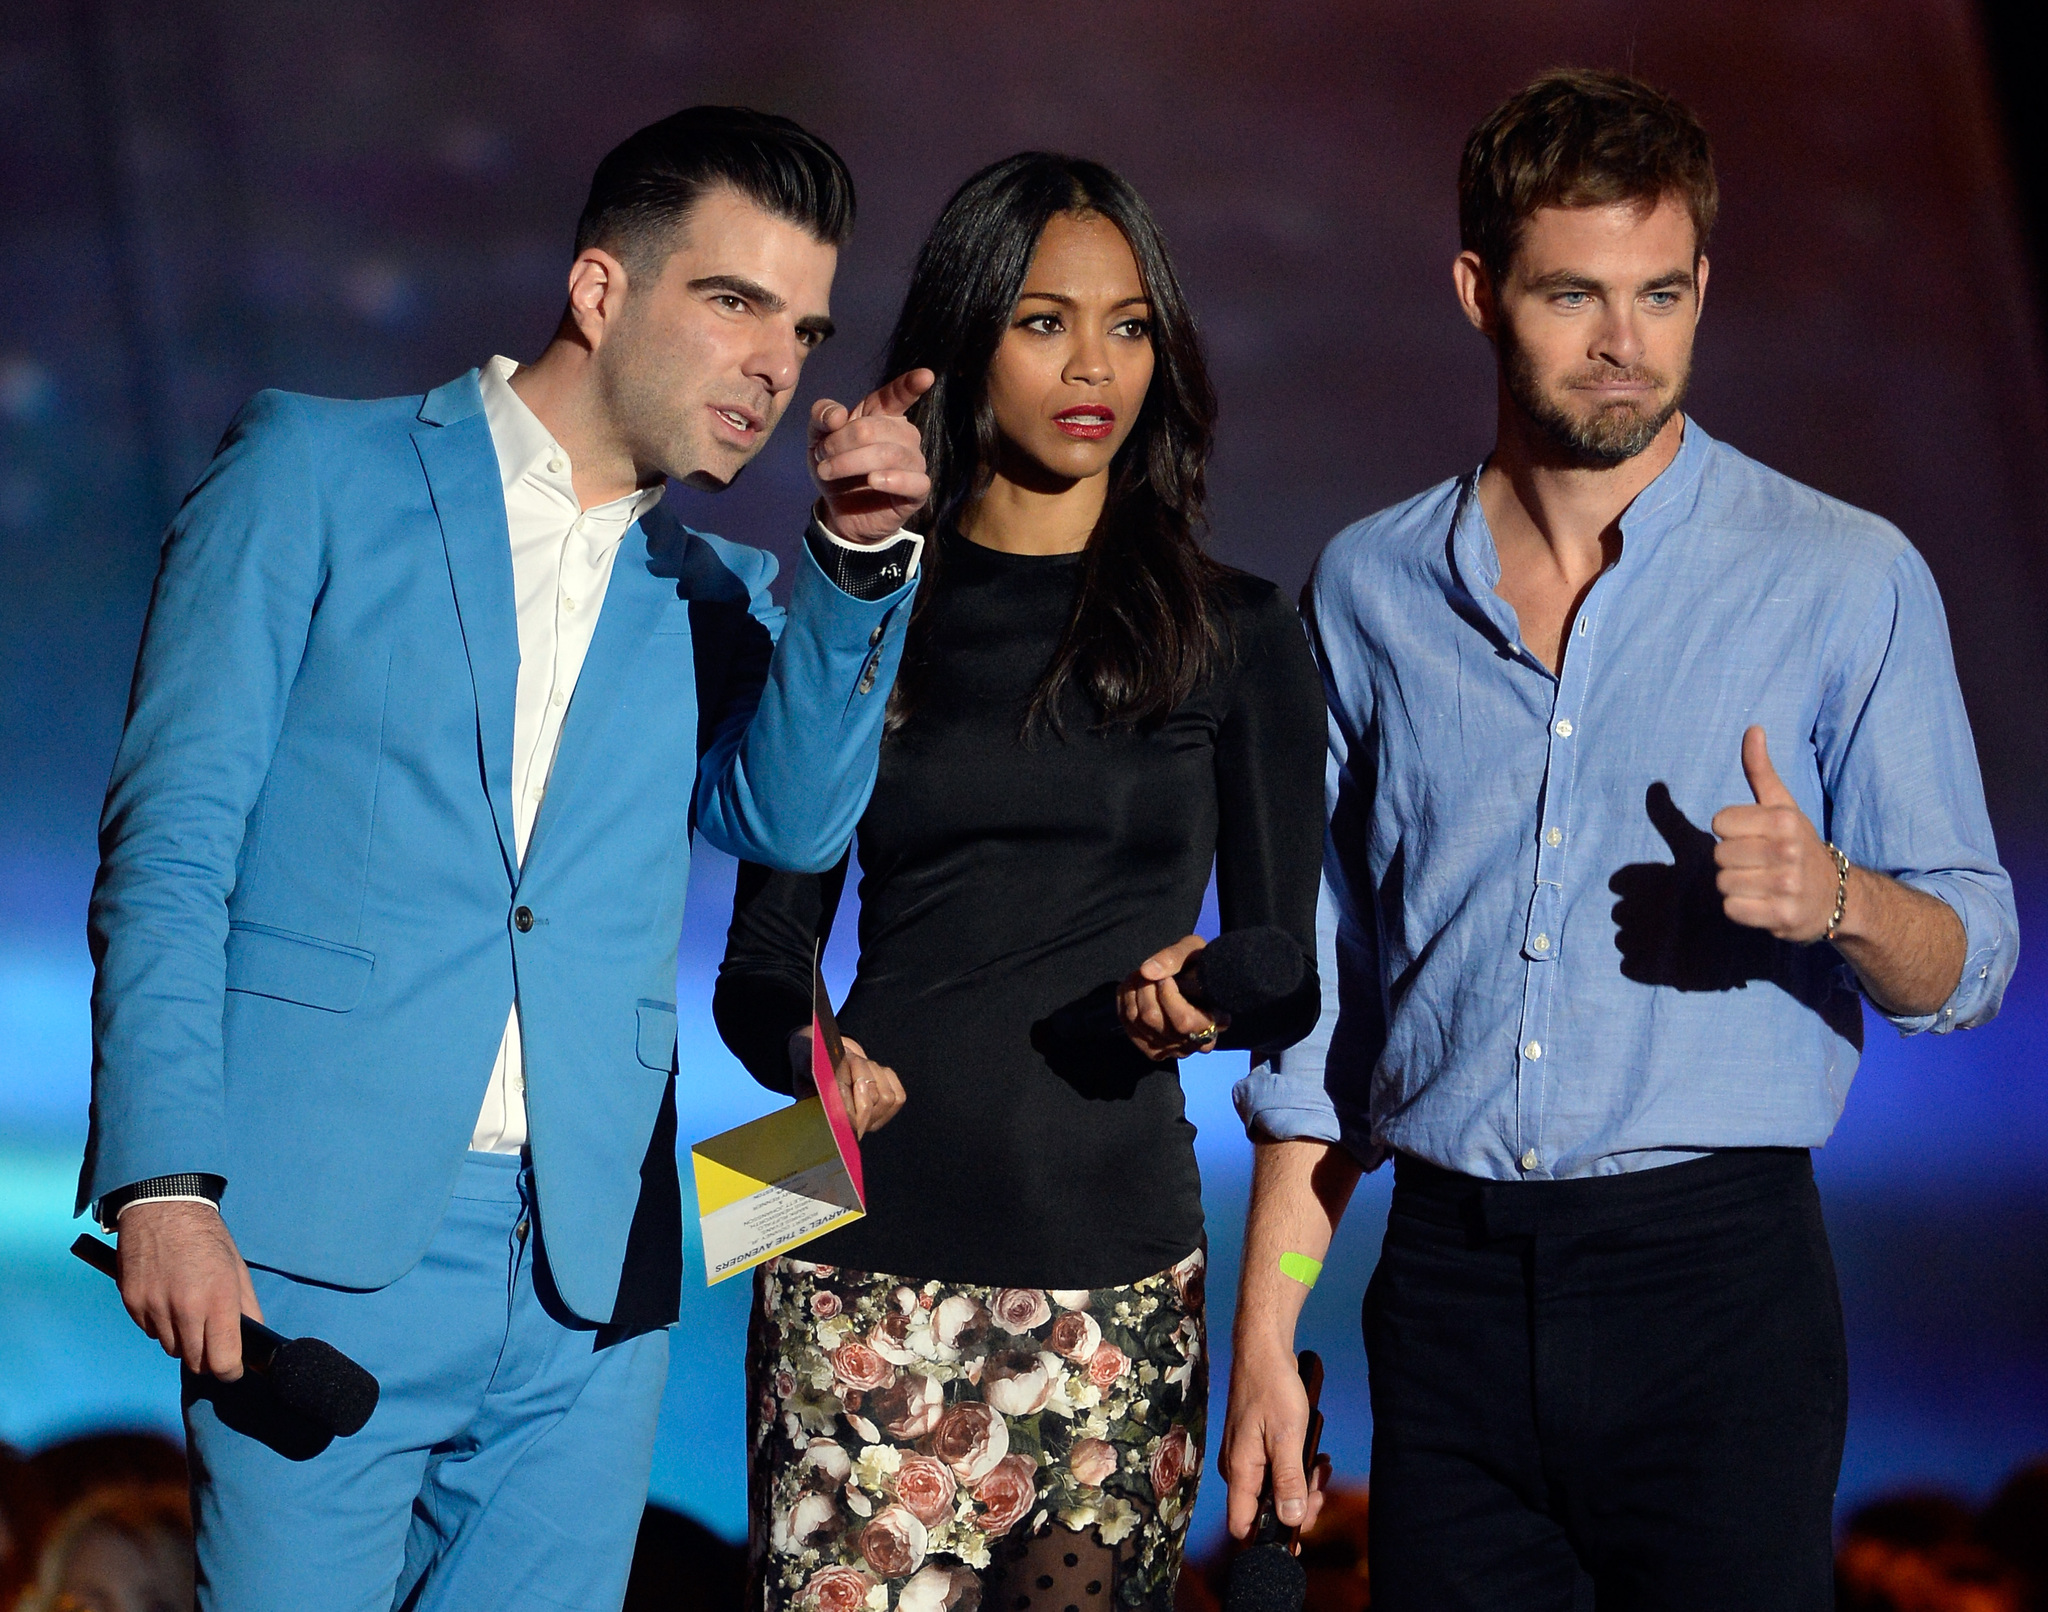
994 1384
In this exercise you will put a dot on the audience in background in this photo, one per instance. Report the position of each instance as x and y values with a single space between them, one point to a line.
101 1524
21 1522
1920 1553
2015 1525
96 1524
124 1548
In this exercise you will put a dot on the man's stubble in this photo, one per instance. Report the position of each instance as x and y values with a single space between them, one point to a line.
1612 436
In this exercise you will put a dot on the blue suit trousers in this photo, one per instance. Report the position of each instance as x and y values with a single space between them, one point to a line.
506 1465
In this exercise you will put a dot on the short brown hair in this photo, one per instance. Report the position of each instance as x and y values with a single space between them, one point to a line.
1576 138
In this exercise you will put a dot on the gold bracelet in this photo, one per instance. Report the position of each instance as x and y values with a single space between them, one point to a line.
1841 889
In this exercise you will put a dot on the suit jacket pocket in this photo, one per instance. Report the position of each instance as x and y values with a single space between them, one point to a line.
297 968
658 1035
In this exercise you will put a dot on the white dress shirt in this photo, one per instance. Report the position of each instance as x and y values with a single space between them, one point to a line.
561 565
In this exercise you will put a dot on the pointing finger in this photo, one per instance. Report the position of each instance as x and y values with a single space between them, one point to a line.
827 417
1764 781
898 395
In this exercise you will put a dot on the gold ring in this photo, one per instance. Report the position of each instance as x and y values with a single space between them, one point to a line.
1202 1038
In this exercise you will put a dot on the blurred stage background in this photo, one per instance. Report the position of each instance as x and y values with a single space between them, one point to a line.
209 196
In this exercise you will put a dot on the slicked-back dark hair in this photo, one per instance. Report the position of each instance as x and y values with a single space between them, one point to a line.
647 184
1577 138
1148 623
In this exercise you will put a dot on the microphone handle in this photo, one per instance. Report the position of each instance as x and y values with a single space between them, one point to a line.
259 1343
1310 1364
1269 1530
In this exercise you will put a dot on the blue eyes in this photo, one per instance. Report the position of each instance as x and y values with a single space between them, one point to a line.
1661 301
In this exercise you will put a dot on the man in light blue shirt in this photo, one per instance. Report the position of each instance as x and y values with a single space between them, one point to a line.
1648 767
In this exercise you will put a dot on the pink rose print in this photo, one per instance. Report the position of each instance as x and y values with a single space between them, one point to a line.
859 1367
894 1542
910 1407
1006 1493
1091 1460
926 1488
959 1322
1075 1336
1106 1365
941 1589
1022 1308
889 1340
971 1439
812 1518
838 1589
1019 1384
1170 1462
824 1457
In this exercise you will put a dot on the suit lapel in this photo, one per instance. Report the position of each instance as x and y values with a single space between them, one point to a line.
635 602
455 450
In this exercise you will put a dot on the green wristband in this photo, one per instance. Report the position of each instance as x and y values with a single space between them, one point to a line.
1301 1268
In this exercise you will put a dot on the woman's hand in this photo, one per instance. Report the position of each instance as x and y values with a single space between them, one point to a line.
871 1091
1161 1022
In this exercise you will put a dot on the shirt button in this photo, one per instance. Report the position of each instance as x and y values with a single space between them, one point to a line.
1553 836
1530 1159
874 637
1564 727
568 603
537 791
559 698
1542 943
522 919
1532 1050
557 465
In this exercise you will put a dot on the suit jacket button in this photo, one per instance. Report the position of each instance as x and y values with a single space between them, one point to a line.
522 919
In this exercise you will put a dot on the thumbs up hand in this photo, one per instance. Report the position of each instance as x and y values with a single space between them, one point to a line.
1775 872
868 461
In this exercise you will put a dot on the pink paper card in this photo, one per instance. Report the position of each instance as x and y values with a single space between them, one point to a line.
827 1055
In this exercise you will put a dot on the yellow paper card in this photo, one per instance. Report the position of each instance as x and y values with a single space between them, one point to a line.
769 1185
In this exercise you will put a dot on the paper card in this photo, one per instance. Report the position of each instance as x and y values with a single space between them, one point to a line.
775 1183
828 1053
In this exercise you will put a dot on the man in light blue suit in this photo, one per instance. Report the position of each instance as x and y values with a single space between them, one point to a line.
430 701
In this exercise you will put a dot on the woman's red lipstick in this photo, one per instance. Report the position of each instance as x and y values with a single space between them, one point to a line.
1091 422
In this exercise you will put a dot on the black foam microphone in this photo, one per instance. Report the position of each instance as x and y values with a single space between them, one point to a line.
308 1375
1268 1577
1243 970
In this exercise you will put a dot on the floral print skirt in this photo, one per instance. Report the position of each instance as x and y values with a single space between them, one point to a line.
918 1446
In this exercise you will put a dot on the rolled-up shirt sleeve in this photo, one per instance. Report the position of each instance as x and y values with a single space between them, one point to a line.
1905 797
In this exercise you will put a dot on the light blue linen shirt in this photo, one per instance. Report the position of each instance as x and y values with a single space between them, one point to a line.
1533 974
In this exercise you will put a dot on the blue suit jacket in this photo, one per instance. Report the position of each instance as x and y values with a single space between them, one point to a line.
304 921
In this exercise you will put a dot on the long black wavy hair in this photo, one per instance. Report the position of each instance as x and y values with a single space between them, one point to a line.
1148 624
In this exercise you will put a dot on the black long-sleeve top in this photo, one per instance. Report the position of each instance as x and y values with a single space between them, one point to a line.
1005 878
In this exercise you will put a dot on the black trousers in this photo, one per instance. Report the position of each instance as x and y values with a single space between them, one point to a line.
1624 1392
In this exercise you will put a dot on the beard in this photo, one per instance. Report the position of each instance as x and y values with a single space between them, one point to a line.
1614 432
